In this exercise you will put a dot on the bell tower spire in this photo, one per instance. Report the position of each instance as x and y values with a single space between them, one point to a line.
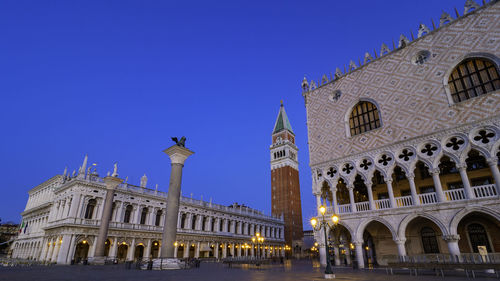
285 188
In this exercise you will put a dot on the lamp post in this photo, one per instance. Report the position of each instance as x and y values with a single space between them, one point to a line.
324 224
259 240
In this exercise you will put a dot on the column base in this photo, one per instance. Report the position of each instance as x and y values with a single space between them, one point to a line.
329 276
166 264
96 260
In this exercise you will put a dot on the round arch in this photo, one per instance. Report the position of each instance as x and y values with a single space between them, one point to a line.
351 107
467 210
362 226
404 223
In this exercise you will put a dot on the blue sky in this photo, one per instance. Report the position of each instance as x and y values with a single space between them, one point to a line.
117 79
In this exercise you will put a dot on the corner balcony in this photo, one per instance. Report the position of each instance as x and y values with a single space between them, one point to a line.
479 192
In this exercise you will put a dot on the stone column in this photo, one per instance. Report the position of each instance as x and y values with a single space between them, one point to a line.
337 256
216 250
413 189
197 250
111 183
176 249
321 246
452 241
437 185
187 245
370 195
114 248
238 252
351 198
465 180
119 211
359 254
492 162
44 249
178 156
147 251
64 249
318 199
388 181
131 250
224 250
348 255
401 247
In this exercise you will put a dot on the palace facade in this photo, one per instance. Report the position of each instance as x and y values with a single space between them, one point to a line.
63 214
404 145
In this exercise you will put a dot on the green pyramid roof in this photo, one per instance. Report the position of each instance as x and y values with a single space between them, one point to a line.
282 122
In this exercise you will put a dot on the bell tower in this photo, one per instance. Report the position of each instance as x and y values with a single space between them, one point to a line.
285 188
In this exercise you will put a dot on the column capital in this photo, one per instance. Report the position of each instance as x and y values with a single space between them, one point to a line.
178 154
112 182
434 171
358 243
388 180
410 176
400 240
350 186
492 161
451 238
461 166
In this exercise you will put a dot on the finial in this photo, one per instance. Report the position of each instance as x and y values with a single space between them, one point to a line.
65 171
305 85
281 101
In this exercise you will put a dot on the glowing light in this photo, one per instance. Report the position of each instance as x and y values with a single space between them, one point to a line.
314 222
322 209
335 219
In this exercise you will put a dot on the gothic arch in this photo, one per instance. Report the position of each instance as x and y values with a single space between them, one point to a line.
363 224
467 210
494 59
404 223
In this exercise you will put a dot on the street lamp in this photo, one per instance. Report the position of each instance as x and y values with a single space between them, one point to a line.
323 223
259 240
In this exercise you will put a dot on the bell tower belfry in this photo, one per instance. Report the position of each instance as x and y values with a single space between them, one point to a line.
285 187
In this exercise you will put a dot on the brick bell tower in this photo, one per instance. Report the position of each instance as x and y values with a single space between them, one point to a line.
285 188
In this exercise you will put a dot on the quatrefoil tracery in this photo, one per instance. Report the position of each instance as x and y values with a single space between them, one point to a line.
406 154
455 143
365 164
331 172
385 159
347 168
485 136
429 149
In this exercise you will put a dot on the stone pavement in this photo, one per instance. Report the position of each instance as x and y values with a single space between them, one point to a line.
296 271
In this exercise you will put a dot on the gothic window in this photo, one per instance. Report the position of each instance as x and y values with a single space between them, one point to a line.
144 214
364 117
158 217
478 237
90 208
473 77
212 228
429 241
128 213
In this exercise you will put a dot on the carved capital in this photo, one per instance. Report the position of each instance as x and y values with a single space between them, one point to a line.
400 241
451 238
434 171
461 166
388 180
410 176
492 161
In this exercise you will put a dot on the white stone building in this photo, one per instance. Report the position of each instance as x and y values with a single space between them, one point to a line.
405 145
63 214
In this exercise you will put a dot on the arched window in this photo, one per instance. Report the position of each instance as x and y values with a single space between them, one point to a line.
429 241
128 213
158 217
183 220
364 117
144 214
90 208
473 77
193 222
478 237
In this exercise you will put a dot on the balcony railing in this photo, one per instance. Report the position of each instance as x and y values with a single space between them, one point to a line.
483 191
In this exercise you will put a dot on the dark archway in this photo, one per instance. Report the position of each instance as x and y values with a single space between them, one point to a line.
122 252
81 251
478 229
